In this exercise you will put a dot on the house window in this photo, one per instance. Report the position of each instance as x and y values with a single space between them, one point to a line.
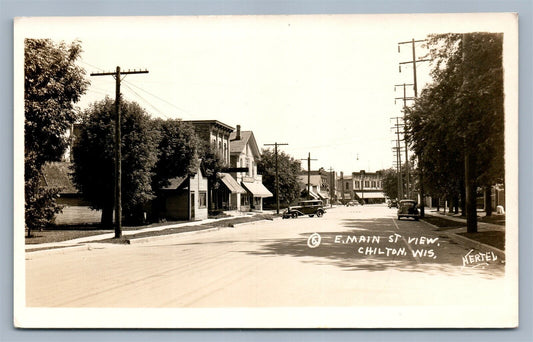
347 186
357 184
367 184
245 200
373 184
202 199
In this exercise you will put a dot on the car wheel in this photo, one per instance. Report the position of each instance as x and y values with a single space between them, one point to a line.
295 215
319 213
311 215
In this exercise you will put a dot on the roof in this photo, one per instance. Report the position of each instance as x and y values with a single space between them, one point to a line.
58 175
238 146
231 183
215 123
257 189
175 183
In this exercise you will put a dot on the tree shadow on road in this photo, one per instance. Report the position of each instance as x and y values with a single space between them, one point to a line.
358 248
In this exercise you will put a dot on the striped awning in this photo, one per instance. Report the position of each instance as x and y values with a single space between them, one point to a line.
257 189
231 183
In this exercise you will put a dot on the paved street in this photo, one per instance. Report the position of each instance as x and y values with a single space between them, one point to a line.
362 256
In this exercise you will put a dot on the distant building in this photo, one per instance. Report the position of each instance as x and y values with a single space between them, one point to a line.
244 155
362 186
319 184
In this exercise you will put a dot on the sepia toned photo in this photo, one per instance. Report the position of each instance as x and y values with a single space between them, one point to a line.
297 171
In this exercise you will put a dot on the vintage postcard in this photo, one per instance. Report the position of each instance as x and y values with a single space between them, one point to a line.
295 171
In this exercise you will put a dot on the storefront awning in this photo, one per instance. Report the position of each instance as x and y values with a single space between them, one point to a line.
312 194
370 194
257 189
323 195
231 183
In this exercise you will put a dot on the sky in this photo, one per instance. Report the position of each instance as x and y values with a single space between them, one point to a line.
323 84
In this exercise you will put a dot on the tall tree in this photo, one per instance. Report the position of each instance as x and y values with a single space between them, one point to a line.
177 154
53 83
94 159
459 119
288 171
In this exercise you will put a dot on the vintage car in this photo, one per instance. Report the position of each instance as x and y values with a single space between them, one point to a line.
408 208
392 203
311 208
352 203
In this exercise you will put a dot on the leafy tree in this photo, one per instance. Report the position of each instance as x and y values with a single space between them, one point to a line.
177 151
457 122
94 159
177 154
390 183
53 83
288 171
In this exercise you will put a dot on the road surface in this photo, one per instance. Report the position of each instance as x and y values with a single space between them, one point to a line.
359 256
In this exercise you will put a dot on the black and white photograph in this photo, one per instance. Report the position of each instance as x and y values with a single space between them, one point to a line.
266 171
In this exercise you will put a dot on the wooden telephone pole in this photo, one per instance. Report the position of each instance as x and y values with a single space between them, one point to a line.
414 61
118 138
277 180
308 174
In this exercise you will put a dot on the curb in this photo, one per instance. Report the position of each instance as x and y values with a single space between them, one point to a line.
134 241
469 242
58 250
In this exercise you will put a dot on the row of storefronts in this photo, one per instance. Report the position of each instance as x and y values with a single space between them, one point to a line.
237 187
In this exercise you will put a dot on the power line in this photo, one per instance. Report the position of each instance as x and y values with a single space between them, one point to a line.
148 102
159 98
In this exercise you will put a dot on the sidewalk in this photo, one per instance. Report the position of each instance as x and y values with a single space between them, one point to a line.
182 227
489 236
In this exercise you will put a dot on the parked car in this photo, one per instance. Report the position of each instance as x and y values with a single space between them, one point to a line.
352 203
311 208
393 203
408 208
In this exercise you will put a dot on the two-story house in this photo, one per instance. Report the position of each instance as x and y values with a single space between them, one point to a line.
223 188
244 155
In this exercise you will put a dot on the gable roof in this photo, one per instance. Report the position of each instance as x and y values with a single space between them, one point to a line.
57 175
239 146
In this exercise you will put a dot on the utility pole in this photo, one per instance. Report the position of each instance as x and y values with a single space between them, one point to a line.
277 180
332 186
308 174
118 138
407 168
415 88
398 158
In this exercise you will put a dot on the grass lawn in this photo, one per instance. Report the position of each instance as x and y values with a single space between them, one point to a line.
59 234
46 236
492 238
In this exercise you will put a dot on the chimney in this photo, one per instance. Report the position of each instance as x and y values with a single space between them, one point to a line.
238 136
